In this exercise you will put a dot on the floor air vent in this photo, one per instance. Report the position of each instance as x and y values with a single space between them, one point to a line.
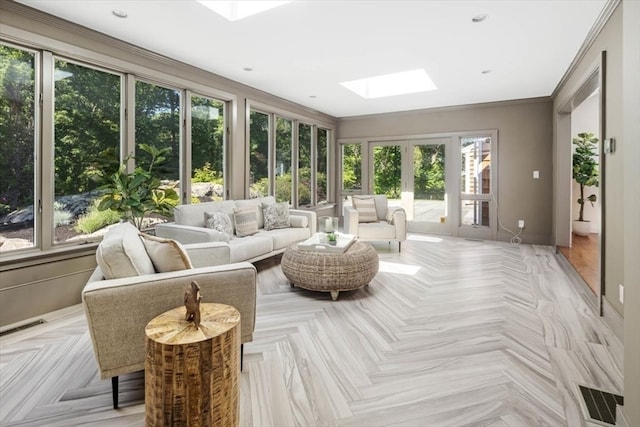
601 405
22 327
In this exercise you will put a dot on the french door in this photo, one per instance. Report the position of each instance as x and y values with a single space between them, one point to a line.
414 175
445 184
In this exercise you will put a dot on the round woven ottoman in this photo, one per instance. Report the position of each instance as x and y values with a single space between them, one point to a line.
330 271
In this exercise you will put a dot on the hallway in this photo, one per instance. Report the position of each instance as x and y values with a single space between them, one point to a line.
584 257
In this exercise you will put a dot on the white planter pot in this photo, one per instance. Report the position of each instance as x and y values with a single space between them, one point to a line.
581 228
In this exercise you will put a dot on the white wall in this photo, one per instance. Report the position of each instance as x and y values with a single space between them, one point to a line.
585 118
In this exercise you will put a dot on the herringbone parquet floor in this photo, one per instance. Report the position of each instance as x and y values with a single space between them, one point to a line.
451 332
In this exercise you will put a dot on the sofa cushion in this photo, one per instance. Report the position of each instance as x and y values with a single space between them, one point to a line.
276 215
122 254
377 231
166 254
247 249
219 221
257 204
245 220
284 237
366 207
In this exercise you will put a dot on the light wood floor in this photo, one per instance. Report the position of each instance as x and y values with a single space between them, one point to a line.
584 256
450 332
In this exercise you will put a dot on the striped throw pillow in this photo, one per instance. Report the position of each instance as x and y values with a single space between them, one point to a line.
246 221
366 207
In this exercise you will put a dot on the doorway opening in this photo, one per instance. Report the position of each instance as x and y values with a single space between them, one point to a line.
583 250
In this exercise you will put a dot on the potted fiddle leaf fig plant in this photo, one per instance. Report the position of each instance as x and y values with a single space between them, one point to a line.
585 173
134 195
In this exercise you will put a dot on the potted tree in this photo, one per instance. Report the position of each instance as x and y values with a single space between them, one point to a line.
134 195
585 173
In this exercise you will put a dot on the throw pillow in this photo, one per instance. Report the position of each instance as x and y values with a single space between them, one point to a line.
366 208
166 254
219 221
276 216
246 221
122 254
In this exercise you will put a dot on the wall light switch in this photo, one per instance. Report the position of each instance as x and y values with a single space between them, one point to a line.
536 174
621 293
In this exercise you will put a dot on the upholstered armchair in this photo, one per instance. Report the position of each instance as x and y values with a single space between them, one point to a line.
371 218
140 277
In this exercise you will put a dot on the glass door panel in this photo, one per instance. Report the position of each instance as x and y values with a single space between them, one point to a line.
386 172
476 180
428 204
412 174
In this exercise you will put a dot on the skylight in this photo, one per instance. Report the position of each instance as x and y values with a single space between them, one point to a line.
235 10
413 81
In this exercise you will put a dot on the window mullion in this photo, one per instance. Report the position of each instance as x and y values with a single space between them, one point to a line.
186 141
43 214
295 155
128 143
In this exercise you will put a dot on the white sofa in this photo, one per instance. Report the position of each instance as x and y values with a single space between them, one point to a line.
386 223
189 227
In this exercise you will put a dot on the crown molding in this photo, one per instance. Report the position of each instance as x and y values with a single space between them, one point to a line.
597 27
493 104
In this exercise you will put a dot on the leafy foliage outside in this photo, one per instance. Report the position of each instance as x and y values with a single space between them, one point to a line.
137 194
428 169
585 167
17 127
351 167
96 219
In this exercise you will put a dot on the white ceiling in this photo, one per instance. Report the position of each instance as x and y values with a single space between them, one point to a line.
302 50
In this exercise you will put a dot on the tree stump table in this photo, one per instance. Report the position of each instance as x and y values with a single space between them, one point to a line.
191 375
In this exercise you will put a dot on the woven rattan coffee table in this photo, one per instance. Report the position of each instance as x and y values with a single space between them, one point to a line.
330 271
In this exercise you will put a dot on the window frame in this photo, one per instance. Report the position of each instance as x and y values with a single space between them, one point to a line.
296 120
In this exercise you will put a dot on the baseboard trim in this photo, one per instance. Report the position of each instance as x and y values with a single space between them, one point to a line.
613 319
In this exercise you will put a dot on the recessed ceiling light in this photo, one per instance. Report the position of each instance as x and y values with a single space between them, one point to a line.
119 13
248 69
486 71
312 96
402 83
235 10
479 18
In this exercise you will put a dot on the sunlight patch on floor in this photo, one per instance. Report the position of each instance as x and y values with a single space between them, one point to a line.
393 267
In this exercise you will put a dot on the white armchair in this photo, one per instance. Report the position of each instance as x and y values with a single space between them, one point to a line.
371 218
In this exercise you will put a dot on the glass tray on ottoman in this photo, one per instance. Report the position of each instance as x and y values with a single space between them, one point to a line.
314 243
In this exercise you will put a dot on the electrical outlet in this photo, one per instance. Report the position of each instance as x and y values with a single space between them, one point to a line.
521 223
621 293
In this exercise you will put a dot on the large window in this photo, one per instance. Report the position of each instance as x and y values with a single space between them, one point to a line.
322 165
284 146
351 168
304 164
207 149
288 159
17 147
86 124
259 154
158 125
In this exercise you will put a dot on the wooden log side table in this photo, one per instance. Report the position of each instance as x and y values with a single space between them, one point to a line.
192 375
